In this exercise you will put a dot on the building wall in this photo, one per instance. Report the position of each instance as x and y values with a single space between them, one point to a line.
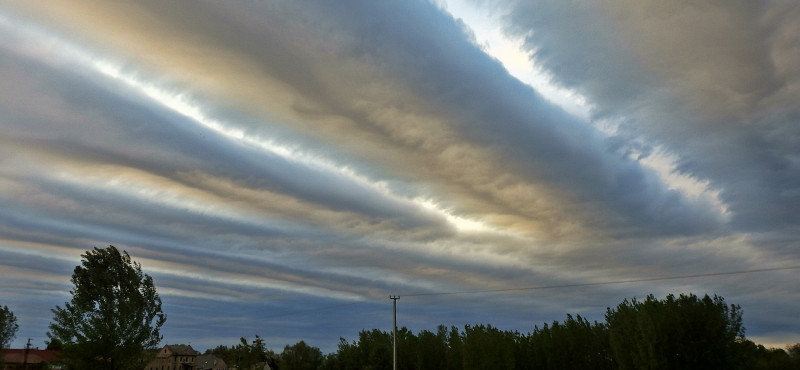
167 360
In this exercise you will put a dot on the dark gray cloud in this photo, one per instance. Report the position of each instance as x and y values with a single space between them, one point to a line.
711 81
430 55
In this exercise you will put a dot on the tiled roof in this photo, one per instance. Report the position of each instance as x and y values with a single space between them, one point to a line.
210 362
35 356
182 349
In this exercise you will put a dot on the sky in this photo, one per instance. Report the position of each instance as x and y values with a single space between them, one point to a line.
281 168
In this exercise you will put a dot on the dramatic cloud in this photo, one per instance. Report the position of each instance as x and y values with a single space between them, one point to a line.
716 82
281 168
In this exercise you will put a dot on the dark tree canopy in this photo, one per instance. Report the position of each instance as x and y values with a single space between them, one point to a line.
684 332
8 327
300 356
574 344
54 344
114 315
244 355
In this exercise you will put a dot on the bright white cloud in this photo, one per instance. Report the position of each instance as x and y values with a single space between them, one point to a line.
509 50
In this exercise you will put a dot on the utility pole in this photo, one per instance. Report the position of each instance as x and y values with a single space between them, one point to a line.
25 358
394 298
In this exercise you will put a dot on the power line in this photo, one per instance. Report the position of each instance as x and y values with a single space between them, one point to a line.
540 287
610 282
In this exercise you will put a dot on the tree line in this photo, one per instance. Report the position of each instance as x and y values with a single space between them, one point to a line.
254 355
114 318
683 332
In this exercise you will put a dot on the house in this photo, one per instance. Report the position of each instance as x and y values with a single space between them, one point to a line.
210 362
15 359
174 357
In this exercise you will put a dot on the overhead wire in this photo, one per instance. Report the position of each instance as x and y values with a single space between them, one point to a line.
609 282
539 287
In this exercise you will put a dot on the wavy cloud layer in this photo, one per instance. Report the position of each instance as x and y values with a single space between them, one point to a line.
285 166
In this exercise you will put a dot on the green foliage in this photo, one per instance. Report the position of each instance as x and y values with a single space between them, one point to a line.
573 344
794 354
455 345
431 350
794 351
114 316
686 332
250 354
376 349
758 357
244 355
373 351
406 349
8 327
54 344
487 348
300 356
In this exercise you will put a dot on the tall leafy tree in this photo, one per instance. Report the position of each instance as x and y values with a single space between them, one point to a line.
794 353
431 350
248 355
372 351
573 344
376 349
455 348
244 355
300 356
346 358
8 327
757 357
114 315
486 347
684 332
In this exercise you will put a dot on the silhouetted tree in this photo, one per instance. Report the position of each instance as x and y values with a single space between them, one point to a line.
431 350
246 355
794 351
347 357
573 344
455 349
8 327
376 349
373 351
114 315
54 344
686 332
757 357
8 330
300 356
489 348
